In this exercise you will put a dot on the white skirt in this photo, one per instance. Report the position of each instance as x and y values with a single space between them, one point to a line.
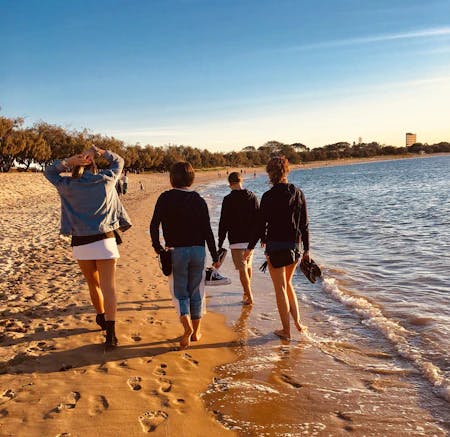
101 249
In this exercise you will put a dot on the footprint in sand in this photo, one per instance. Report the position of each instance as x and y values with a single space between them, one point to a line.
166 385
189 358
288 380
10 394
134 383
255 332
98 405
102 368
71 403
64 434
136 337
374 385
65 367
150 420
72 400
159 372
345 418
3 412
265 316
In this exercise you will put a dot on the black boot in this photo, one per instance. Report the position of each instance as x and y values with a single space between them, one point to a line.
111 339
100 320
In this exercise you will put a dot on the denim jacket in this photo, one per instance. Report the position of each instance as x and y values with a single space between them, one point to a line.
90 204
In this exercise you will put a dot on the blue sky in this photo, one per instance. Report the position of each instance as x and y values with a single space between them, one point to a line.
230 73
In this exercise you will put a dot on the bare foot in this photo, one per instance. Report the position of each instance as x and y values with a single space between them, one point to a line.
247 299
282 334
300 327
196 336
185 340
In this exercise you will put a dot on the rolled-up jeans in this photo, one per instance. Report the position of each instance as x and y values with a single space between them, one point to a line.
187 281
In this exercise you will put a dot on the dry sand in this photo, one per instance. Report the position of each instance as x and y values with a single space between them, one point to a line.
55 378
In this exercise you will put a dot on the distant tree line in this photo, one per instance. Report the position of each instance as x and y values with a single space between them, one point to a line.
42 143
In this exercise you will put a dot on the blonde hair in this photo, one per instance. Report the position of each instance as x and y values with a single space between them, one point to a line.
277 169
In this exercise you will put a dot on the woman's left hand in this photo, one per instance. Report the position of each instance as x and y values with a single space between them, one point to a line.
305 256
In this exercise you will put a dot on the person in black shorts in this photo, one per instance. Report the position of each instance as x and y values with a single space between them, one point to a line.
283 222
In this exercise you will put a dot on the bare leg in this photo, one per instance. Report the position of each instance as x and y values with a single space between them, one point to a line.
89 270
197 335
186 337
292 297
279 283
107 274
245 281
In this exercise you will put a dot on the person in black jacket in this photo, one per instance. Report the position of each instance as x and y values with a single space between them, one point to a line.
238 219
283 221
184 217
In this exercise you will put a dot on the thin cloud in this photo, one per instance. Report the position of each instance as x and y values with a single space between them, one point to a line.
425 33
146 132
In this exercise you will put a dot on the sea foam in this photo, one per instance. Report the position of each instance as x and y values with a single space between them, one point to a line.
394 332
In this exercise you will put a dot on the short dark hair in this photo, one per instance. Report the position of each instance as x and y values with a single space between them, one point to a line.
182 174
277 168
234 177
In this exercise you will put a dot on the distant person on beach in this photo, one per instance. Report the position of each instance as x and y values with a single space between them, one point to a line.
124 180
141 185
184 217
119 187
283 221
92 213
238 219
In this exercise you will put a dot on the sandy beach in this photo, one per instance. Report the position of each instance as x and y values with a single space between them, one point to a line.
55 379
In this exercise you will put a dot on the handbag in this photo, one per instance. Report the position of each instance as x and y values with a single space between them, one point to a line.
165 262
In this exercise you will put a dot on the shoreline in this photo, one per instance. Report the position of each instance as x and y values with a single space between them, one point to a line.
56 378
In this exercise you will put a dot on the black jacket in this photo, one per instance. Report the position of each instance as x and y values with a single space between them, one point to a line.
238 217
283 216
185 221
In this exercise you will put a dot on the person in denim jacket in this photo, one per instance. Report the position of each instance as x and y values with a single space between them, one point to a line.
91 213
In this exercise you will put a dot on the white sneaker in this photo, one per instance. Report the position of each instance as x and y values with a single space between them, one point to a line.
213 277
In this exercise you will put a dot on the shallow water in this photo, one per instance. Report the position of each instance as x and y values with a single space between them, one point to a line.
380 231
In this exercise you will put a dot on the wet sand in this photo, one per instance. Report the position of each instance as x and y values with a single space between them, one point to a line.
55 378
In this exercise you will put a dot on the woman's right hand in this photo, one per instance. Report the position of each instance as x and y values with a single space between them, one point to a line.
78 160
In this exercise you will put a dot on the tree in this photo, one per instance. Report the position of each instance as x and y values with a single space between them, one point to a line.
62 143
36 149
12 141
299 147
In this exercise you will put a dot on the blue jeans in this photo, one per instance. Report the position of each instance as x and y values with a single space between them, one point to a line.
187 280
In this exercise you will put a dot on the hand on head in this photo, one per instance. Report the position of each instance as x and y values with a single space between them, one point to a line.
81 159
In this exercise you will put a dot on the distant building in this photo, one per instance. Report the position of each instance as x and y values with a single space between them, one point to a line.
411 139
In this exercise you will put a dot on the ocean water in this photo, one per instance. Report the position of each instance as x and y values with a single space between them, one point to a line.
381 233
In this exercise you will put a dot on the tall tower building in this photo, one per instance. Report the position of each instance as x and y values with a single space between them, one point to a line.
411 139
